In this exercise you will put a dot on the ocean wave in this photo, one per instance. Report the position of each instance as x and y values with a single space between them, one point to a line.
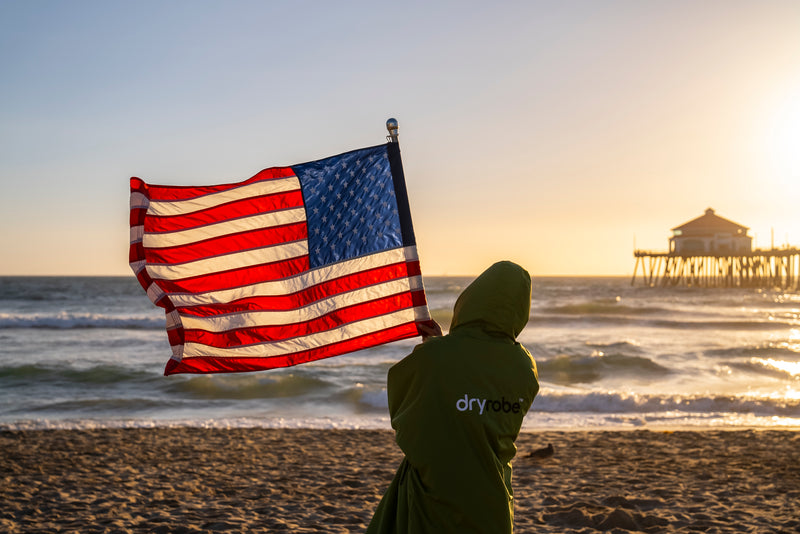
551 401
603 307
41 374
771 367
783 351
67 320
667 324
580 369
241 386
616 346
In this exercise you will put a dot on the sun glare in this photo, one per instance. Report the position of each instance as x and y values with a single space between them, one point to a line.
783 139
792 368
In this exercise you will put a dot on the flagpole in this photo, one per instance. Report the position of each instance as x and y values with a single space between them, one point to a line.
391 125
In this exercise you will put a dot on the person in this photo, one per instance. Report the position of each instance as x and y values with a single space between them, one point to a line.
456 405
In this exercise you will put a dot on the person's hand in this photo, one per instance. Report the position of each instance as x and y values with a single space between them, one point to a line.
429 329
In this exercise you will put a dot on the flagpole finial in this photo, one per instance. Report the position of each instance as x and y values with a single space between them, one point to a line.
391 125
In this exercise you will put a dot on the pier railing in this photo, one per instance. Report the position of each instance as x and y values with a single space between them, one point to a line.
769 269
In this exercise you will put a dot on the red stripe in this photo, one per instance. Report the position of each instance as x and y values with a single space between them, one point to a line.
311 294
136 252
235 209
138 216
209 364
226 244
236 277
335 319
178 192
175 336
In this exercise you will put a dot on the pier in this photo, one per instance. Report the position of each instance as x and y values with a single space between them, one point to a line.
767 269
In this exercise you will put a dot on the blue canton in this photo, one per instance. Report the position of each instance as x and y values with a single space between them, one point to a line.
350 204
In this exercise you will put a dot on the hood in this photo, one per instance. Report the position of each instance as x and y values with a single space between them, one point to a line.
497 302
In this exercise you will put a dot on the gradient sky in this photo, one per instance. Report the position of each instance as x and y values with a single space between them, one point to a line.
555 134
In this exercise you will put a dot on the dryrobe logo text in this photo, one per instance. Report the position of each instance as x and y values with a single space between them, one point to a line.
468 404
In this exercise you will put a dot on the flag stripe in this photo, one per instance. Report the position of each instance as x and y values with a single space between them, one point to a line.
228 364
236 277
223 228
183 192
229 211
303 328
293 345
296 299
309 312
227 244
236 260
172 208
303 280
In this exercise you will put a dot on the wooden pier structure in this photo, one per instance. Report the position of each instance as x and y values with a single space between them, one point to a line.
766 269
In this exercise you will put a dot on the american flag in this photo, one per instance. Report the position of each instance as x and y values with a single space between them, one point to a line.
293 265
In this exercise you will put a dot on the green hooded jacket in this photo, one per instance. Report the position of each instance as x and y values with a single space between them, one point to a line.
457 404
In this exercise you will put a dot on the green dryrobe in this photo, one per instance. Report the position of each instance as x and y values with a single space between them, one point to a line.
457 404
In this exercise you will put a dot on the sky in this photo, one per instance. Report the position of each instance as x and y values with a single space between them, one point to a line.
560 135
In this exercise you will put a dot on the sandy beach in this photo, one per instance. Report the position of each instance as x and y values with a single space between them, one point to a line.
272 480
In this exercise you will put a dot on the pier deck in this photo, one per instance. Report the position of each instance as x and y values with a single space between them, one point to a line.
769 269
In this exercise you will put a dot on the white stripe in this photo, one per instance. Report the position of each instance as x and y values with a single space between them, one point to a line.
138 265
192 235
221 323
155 293
165 208
312 341
228 262
298 282
173 320
136 234
138 200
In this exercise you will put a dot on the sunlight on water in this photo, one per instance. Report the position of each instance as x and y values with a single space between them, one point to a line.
793 368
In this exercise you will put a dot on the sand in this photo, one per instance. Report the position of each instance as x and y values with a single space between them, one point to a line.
269 480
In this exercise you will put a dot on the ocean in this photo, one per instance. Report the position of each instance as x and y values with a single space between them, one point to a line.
88 352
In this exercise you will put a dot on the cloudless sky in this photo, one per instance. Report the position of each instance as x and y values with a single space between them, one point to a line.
556 134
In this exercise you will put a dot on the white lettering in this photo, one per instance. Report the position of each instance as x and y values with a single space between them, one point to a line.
500 405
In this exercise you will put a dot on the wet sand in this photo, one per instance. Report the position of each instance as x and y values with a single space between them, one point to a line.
268 480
